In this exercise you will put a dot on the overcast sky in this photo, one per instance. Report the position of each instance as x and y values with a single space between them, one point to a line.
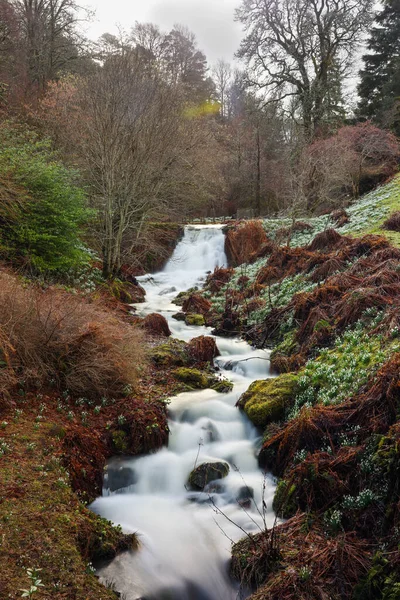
212 21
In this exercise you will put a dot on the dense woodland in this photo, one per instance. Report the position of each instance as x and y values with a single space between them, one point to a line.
107 148
145 130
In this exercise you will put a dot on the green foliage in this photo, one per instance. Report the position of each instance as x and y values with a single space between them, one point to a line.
44 232
380 79
339 372
285 503
382 581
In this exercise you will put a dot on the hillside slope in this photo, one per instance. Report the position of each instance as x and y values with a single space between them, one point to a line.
329 306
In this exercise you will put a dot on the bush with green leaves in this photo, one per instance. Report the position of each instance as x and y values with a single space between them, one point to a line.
43 207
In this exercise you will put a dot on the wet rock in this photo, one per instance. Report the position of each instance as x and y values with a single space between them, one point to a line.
167 291
223 386
179 316
182 296
207 472
193 378
211 433
118 477
172 353
245 496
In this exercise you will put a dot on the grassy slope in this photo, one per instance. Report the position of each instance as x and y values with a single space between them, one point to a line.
337 448
366 216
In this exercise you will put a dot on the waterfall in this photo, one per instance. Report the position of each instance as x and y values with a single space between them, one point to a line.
186 536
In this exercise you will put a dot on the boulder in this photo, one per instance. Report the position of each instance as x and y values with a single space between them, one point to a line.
182 296
207 472
200 380
173 353
267 401
245 496
117 477
193 378
179 316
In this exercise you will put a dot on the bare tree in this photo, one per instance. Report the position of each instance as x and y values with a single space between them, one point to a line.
222 74
301 49
50 36
144 157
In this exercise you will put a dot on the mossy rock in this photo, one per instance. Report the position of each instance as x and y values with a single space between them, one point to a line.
172 353
200 380
267 401
197 320
182 296
285 501
207 472
223 386
193 378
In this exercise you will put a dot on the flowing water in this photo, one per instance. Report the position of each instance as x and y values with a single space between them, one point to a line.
186 536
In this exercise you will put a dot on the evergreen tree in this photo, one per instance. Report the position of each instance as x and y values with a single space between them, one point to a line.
379 89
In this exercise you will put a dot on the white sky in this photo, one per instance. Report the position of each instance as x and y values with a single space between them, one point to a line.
212 21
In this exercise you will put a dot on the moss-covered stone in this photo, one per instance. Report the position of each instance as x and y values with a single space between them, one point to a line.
201 380
284 503
207 472
193 378
223 386
182 296
197 320
172 353
267 401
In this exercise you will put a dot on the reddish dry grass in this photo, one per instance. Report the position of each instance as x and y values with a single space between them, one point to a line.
216 280
203 349
157 325
393 222
296 560
243 242
340 217
52 335
197 305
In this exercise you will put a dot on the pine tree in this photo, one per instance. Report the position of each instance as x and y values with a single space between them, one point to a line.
379 89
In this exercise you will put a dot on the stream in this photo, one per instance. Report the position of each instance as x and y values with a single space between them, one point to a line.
186 536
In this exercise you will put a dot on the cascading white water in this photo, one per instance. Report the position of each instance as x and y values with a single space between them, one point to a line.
186 536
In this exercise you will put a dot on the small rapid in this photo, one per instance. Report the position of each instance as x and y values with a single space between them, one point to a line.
186 536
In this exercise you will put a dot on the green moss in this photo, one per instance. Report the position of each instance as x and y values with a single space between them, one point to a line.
182 296
268 400
288 347
193 378
382 581
120 441
285 503
223 386
197 320
200 380
172 353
